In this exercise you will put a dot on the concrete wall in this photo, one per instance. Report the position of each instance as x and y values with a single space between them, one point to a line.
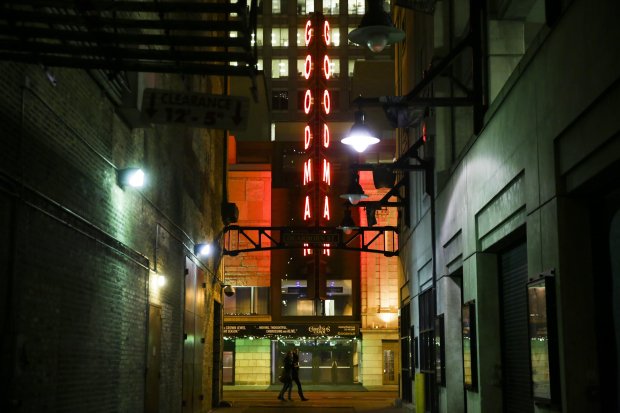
552 127
372 356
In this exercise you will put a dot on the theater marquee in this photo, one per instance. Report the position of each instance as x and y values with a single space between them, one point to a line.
291 330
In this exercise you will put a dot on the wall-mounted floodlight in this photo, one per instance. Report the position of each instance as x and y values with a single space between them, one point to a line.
161 280
203 249
376 29
354 193
360 136
133 177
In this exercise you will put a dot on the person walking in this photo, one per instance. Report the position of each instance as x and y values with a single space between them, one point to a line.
287 376
295 376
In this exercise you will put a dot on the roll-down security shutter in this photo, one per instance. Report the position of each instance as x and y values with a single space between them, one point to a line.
515 346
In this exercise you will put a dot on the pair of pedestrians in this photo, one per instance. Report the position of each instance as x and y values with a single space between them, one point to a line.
290 374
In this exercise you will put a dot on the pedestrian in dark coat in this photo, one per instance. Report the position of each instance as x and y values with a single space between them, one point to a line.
296 376
287 376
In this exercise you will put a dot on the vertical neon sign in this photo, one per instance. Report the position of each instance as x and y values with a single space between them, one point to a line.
317 107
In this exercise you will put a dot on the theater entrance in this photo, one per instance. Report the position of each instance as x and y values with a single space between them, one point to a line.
321 361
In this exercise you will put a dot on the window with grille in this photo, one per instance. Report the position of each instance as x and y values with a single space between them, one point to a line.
427 330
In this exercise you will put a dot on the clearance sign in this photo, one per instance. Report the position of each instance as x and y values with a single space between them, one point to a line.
316 138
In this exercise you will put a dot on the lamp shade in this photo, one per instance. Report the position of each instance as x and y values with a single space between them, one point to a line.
348 224
360 136
376 29
355 192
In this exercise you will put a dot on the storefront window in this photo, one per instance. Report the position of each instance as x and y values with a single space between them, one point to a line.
295 301
247 301
339 299
321 361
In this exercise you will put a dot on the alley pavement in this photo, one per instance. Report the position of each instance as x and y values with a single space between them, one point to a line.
330 399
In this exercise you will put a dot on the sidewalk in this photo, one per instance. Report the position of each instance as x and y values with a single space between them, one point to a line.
335 399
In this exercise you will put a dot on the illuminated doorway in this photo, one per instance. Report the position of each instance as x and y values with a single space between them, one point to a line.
390 361
321 361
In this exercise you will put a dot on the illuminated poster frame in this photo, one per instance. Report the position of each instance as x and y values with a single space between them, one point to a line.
542 334
440 351
470 356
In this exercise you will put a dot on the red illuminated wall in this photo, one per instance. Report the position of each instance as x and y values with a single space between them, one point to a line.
379 274
251 191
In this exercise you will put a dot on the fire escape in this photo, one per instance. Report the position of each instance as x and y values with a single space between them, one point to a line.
182 37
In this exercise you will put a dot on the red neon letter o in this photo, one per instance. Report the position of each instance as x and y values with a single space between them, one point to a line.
326 67
307 101
308 67
326 101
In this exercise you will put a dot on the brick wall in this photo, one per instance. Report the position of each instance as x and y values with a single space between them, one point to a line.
379 274
252 361
251 191
81 252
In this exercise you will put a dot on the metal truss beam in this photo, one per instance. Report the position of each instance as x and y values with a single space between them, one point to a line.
239 239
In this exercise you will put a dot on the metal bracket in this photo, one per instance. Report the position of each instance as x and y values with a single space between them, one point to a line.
475 96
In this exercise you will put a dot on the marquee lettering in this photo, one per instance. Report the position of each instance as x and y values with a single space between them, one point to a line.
307 208
307 171
326 177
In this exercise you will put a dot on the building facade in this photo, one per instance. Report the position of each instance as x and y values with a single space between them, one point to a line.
348 333
105 305
352 340
510 263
